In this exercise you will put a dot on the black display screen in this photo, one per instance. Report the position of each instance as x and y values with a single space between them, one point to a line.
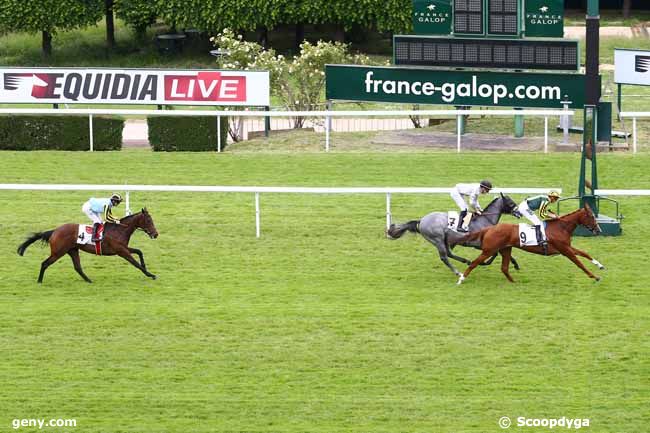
486 53
468 16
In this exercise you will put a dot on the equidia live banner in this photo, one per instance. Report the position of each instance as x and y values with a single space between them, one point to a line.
432 86
134 86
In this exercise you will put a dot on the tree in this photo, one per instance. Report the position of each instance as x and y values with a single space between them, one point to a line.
48 16
627 5
110 25
139 14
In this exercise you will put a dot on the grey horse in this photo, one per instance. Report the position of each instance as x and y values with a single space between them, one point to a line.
433 227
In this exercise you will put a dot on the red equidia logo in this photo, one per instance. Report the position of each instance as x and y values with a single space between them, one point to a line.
205 86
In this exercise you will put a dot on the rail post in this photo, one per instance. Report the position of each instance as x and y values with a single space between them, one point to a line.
127 203
218 134
634 139
257 215
458 131
545 134
388 214
90 129
328 126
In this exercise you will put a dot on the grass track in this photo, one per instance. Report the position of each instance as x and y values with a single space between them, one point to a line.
321 325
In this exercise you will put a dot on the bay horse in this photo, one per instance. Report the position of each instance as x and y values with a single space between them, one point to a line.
502 237
433 227
63 240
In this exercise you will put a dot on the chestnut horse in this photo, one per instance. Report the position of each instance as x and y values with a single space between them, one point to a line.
502 237
63 240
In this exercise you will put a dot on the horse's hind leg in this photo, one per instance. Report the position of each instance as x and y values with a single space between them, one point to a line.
588 257
442 251
47 263
506 254
76 262
455 257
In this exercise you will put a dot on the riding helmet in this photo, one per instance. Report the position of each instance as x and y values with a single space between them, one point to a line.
554 194
486 184
116 198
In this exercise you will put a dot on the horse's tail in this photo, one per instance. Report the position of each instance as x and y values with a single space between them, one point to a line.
470 237
42 236
395 231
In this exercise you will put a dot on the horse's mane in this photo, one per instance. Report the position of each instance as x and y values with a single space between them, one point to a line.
492 202
133 215
570 213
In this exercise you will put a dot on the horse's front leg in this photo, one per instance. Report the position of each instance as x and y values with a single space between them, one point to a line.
480 259
567 251
588 257
140 255
126 255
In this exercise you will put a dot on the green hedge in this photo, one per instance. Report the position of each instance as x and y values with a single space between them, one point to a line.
59 133
186 134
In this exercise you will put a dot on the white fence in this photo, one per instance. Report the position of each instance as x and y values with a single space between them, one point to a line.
257 190
327 115
634 115
623 192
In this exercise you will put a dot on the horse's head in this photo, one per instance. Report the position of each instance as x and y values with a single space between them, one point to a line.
588 219
509 206
145 222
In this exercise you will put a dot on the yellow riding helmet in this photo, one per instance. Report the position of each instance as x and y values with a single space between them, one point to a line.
554 194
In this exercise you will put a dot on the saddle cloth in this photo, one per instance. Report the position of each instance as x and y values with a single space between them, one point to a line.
452 220
527 235
85 234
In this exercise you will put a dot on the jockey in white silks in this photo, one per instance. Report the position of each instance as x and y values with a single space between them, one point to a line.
471 190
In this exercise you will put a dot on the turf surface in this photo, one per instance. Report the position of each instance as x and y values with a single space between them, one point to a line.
322 325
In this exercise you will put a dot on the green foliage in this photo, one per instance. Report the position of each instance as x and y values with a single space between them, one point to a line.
298 82
192 134
59 133
139 14
215 15
49 15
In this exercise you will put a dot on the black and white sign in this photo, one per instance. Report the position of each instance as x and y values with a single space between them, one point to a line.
632 67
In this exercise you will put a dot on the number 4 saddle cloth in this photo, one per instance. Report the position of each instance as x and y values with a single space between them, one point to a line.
529 236
85 237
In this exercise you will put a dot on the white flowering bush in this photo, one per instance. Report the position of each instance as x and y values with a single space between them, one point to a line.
298 82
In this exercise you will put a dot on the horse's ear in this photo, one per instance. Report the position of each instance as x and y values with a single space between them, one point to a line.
144 210
587 206
501 195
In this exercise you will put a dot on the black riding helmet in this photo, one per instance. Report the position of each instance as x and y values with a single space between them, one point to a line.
116 199
486 184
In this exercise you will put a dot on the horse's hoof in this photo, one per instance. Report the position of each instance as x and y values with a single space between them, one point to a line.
602 268
597 279
460 280
153 277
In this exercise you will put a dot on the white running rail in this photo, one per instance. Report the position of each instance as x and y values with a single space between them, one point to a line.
327 115
257 190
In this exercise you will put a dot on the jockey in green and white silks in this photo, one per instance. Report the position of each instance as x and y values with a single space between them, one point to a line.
540 204
471 190
99 211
